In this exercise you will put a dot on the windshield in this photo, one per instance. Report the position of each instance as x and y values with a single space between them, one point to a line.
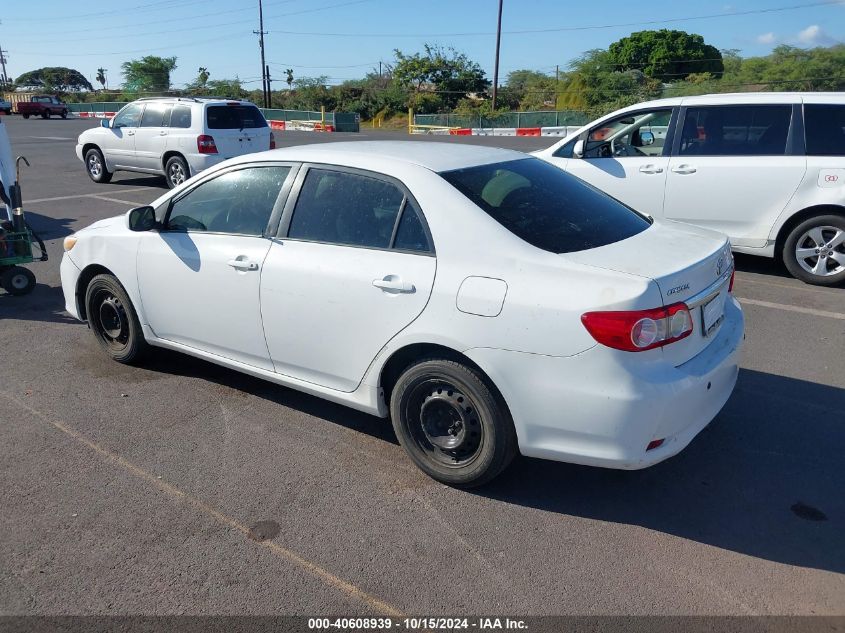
545 206
234 117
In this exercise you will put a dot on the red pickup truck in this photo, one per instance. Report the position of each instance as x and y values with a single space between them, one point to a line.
42 105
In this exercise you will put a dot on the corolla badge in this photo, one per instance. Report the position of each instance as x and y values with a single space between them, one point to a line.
677 289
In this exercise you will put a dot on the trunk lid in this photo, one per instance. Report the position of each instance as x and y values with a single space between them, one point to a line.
688 264
237 129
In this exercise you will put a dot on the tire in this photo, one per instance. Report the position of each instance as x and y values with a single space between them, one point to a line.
26 116
64 114
17 281
814 251
452 424
113 320
176 171
95 165
45 114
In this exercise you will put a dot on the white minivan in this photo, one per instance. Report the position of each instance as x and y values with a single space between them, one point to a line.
767 169
177 137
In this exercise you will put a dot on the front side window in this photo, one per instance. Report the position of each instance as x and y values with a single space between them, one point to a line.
545 206
345 208
156 115
129 116
736 131
824 127
234 117
638 134
238 202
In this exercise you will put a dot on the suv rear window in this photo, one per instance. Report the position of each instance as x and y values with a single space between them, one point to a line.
547 207
234 117
824 126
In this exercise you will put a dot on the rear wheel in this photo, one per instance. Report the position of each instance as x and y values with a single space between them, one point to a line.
176 171
95 165
45 114
17 280
814 251
113 320
64 114
453 425
26 116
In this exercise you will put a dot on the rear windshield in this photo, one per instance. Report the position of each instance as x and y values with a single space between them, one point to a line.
234 117
545 206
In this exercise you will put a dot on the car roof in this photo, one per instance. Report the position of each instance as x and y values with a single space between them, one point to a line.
437 157
201 100
729 98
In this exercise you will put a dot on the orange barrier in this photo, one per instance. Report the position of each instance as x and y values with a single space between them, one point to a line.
277 125
528 131
461 131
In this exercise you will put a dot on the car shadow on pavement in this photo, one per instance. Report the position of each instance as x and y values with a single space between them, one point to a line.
125 179
45 304
760 265
765 479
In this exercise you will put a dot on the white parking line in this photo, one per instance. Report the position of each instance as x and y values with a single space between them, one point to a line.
789 308
53 138
129 202
84 195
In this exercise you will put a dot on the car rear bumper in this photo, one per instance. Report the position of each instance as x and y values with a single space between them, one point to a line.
603 407
70 276
201 162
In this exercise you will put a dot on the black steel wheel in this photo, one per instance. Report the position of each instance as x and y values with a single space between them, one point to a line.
454 426
113 320
17 280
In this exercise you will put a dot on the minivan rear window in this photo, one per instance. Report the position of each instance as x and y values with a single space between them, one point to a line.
547 207
234 117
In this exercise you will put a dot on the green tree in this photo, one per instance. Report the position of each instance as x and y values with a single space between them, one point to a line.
289 78
54 79
667 55
148 74
101 77
438 77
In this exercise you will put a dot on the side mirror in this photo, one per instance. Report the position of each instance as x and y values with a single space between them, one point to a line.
142 219
647 138
105 122
578 150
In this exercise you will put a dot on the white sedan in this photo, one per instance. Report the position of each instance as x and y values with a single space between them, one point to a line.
484 300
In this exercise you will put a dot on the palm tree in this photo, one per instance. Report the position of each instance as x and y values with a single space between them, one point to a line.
101 77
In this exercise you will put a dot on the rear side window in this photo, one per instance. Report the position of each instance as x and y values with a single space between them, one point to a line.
736 131
180 117
545 206
824 126
156 115
411 234
234 117
344 208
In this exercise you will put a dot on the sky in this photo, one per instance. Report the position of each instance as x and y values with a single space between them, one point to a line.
344 39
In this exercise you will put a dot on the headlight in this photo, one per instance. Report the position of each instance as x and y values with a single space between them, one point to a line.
70 242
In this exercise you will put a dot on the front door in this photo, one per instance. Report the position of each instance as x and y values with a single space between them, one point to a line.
354 268
151 136
119 142
627 157
734 170
199 276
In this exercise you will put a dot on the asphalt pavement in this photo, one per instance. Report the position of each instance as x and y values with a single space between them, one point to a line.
185 488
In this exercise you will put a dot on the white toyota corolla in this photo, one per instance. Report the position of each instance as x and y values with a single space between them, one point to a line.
484 300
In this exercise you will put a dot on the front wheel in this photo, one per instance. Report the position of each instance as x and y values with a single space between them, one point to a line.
452 424
64 114
95 165
17 281
176 171
814 251
45 114
26 116
113 320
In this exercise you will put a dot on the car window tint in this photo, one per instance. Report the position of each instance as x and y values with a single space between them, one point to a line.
156 115
180 117
129 116
344 208
410 235
238 202
736 131
638 134
565 150
234 117
545 206
824 126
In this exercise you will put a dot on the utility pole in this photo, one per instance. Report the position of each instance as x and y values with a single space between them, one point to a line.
261 33
496 65
4 78
269 92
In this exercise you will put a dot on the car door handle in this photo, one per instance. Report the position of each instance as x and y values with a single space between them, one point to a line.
130 133
393 283
651 169
242 264
162 133
684 169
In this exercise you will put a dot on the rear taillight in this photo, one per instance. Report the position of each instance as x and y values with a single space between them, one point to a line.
272 141
205 144
640 330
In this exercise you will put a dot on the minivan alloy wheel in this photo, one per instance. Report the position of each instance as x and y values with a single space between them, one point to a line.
821 251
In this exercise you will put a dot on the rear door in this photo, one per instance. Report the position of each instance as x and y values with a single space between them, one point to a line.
237 128
354 266
627 157
734 169
151 135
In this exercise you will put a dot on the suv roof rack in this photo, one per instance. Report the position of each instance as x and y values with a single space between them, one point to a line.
174 98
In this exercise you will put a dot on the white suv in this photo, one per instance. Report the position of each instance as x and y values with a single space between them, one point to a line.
767 169
176 137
